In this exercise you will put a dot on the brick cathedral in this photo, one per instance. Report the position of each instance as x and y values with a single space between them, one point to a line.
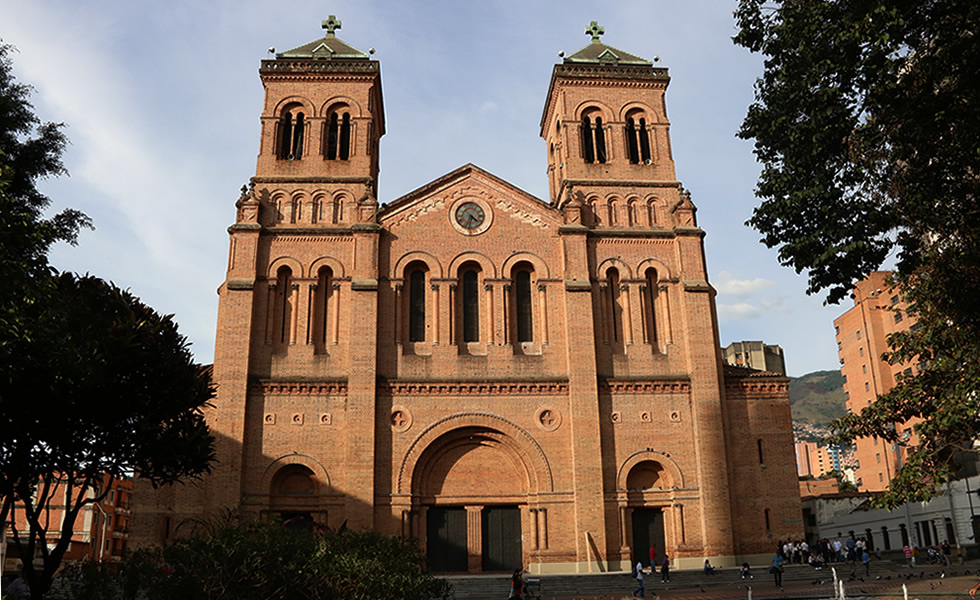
513 381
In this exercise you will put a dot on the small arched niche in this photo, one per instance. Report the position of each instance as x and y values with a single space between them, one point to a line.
294 481
648 475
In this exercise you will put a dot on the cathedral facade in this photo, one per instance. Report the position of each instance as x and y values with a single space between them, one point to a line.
511 380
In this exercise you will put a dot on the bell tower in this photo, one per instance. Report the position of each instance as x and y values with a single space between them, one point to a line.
323 116
301 291
605 123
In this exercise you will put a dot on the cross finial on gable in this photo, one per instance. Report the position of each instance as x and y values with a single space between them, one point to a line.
595 31
333 23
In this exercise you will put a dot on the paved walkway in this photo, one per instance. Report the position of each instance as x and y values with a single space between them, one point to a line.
764 587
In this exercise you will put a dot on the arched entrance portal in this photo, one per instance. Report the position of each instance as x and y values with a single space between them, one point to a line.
471 484
652 521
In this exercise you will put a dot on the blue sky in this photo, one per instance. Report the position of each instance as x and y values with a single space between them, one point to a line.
162 100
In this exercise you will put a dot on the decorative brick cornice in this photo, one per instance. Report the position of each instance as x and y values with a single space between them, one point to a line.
649 386
470 388
333 67
761 386
300 388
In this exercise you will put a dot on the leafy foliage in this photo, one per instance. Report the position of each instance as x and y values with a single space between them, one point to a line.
93 383
867 126
229 559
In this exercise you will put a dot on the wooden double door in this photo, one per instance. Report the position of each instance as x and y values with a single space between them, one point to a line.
448 544
648 532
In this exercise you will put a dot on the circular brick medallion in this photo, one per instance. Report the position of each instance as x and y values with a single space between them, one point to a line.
548 418
401 419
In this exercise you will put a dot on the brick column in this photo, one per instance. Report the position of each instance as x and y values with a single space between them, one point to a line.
474 539
583 399
707 394
228 419
361 422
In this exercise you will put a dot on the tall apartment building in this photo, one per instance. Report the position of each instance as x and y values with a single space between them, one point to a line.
814 459
755 355
512 380
862 334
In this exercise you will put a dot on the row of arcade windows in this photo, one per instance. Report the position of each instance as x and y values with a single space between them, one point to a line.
594 140
468 304
618 314
324 322
291 133
324 327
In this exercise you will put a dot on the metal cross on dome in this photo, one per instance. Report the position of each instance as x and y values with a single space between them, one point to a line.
594 30
333 23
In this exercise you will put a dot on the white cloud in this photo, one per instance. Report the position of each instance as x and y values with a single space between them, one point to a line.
752 310
727 284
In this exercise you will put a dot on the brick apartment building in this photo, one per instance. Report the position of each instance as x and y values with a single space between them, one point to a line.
100 533
862 334
509 379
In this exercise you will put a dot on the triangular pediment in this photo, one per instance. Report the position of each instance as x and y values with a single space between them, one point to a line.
608 56
439 196
322 51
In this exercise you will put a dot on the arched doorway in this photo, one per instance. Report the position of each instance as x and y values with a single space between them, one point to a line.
647 483
472 484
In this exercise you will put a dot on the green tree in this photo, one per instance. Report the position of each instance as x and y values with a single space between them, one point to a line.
234 559
93 383
866 123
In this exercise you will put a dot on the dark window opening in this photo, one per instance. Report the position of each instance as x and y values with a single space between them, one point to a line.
637 141
631 146
644 141
416 307
332 131
471 307
324 290
766 513
587 147
600 141
284 304
759 446
651 300
337 144
522 291
344 152
291 133
614 307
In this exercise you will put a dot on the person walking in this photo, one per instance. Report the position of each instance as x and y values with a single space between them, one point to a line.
776 568
638 573
866 559
665 570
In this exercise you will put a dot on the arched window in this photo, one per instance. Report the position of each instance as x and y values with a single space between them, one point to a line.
338 138
593 138
524 318
615 310
650 310
322 306
471 304
292 127
637 140
416 304
284 306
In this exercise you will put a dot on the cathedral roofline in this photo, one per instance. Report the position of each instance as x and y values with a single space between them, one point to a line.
329 47
456 174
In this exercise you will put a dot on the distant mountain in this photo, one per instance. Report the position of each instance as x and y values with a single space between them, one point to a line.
817 398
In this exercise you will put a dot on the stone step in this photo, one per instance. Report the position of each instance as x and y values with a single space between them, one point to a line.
497 586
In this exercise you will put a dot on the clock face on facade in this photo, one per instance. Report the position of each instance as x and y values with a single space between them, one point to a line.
471 216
